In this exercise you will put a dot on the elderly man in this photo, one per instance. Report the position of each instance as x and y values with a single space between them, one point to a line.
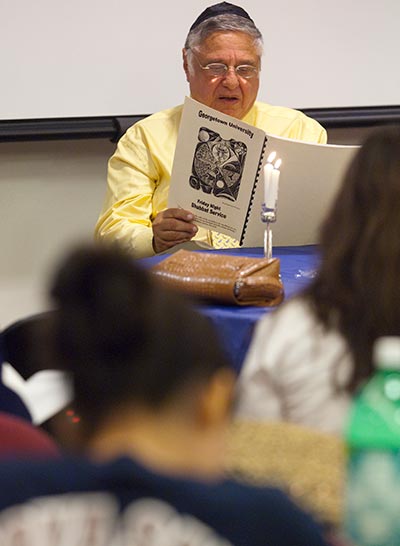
222 61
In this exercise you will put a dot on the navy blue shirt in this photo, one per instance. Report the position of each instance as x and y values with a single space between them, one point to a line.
163 508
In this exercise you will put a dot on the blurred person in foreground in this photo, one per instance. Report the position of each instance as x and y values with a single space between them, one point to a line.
222 63
308 358
154 398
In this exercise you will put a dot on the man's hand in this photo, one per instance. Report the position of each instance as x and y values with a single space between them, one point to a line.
171 227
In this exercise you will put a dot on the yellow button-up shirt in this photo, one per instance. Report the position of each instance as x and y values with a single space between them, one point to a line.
139 172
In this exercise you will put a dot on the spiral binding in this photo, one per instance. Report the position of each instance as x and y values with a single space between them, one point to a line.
253 190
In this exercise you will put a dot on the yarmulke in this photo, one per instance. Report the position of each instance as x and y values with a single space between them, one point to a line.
223 8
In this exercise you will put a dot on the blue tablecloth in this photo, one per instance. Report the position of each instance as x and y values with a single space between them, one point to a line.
235 323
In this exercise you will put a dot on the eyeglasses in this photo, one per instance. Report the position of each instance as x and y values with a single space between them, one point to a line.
217 70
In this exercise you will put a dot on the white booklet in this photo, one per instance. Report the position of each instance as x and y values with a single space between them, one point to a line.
217 169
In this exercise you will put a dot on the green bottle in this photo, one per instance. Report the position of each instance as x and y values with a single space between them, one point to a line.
372 502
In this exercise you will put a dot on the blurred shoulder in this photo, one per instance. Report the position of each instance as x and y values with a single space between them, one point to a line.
264 511
294 318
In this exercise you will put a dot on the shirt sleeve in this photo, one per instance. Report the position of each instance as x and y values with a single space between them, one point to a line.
128 210
322 136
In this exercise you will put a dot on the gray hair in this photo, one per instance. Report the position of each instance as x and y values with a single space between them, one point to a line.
227 22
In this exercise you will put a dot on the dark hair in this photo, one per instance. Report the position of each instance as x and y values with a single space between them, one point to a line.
357 288
123 337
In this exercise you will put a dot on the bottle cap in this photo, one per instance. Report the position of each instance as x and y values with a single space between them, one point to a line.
386 352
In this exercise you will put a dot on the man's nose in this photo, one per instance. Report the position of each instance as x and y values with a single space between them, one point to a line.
231 79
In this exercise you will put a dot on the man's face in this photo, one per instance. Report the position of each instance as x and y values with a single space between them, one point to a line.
230 93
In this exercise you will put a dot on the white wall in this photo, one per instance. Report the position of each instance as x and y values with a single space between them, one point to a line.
97 57
50 196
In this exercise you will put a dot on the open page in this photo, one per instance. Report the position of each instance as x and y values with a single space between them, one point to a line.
215 169
310 176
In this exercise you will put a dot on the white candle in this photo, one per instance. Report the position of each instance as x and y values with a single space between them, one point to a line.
268 168
272 196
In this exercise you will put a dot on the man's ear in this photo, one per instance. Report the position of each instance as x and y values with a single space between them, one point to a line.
185 63
215 399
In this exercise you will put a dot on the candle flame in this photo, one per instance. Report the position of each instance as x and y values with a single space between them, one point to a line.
278 163
271 157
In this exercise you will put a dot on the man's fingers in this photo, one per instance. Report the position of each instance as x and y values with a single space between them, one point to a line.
168 239
171 220
171 227
179 214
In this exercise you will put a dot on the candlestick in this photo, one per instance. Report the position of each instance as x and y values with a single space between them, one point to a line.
268 241
268 212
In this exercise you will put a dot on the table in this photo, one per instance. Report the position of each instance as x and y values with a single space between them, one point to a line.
235 324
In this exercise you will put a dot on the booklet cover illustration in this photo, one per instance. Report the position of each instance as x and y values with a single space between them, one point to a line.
218 164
